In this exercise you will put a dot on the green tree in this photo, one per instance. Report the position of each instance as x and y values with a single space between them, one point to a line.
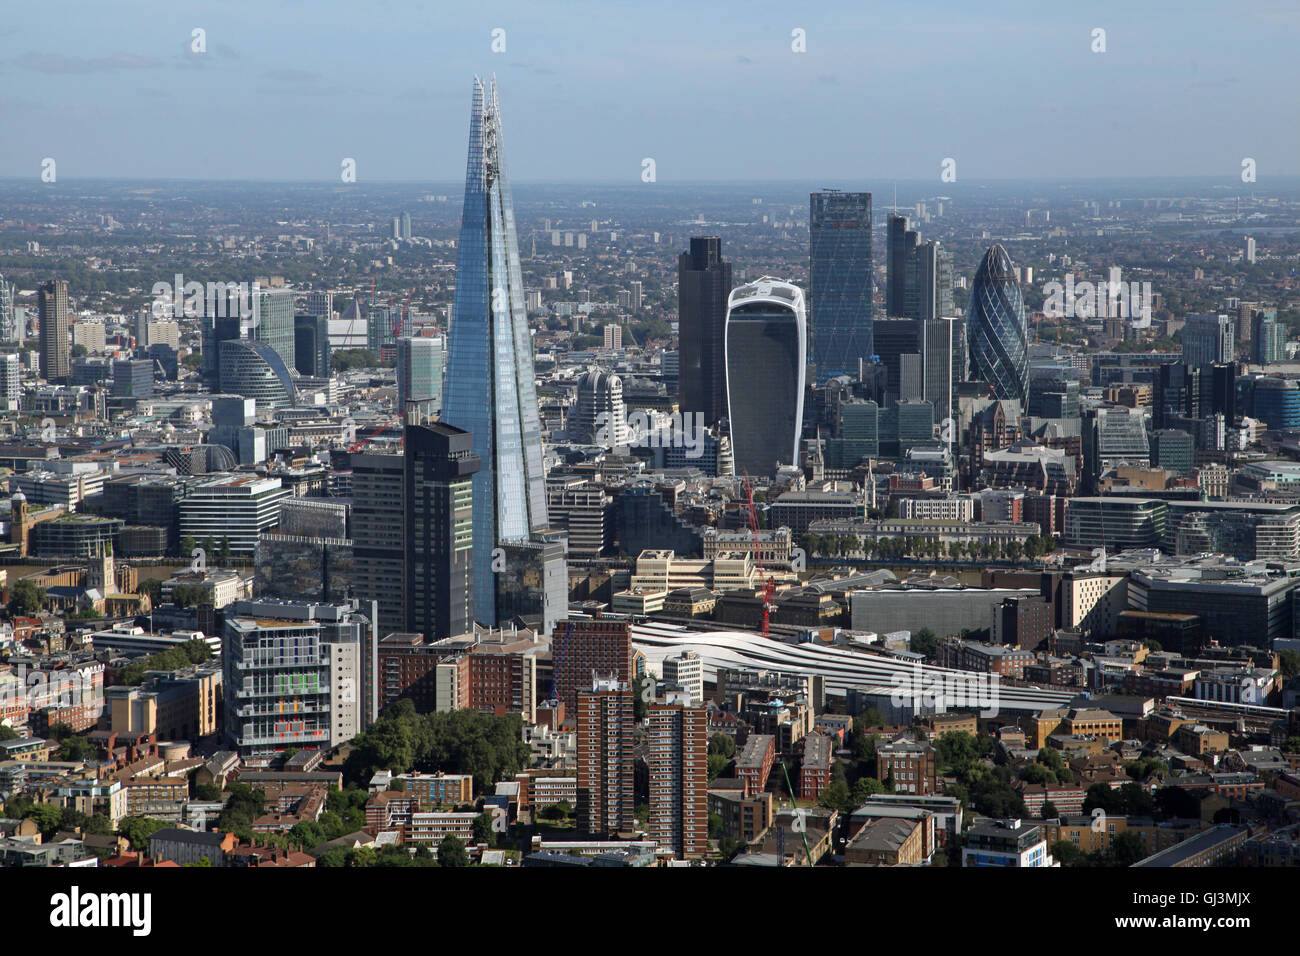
47 816
1127 849
451 852
25 598
137 830
722 744
924 641
483 831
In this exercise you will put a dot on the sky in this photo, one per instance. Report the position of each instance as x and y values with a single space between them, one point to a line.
711 91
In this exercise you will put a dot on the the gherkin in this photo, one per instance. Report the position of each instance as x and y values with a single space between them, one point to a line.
996 333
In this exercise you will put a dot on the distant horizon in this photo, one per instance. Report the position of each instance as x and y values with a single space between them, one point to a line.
758 92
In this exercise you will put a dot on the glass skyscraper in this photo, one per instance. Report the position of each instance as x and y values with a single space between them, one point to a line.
419 373
840 270
703 284
275 323
766 360
996 332
490 389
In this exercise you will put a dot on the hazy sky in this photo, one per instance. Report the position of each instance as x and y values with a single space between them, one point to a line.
710 90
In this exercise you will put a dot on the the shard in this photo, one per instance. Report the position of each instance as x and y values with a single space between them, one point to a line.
490 391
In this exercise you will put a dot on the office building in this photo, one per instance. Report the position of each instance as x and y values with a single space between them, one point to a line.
378 536
234 508
1268 337
440 464
419 374
840 270
703 284
686 670
1208 339
56 350
133 378
256 370
766 358
996 332
901 243
311 344
599 417
490 387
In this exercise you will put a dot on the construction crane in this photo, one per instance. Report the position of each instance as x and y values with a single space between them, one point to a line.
363 442
769 584
798 816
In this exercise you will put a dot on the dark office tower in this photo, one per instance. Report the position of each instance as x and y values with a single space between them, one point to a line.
490 383
52 302
222 327
378 536
440 468
840 270
766 362
703 283
996 331
1219 390
928 292
901 243
894 338
311 345
1177 394
938 372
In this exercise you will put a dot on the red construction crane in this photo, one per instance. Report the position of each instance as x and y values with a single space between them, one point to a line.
769 584
363 442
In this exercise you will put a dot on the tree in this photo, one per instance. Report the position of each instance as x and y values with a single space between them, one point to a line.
715 826
1290 663
451 852
1127 849
483 831
924 641
25 598
1049 811
137 830
722 744
47 816
1068 854
152 588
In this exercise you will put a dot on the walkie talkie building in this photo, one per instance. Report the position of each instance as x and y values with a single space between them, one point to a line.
996 333
491 392
766 363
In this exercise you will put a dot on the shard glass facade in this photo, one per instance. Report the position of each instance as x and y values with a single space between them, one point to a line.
996 333
490 390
